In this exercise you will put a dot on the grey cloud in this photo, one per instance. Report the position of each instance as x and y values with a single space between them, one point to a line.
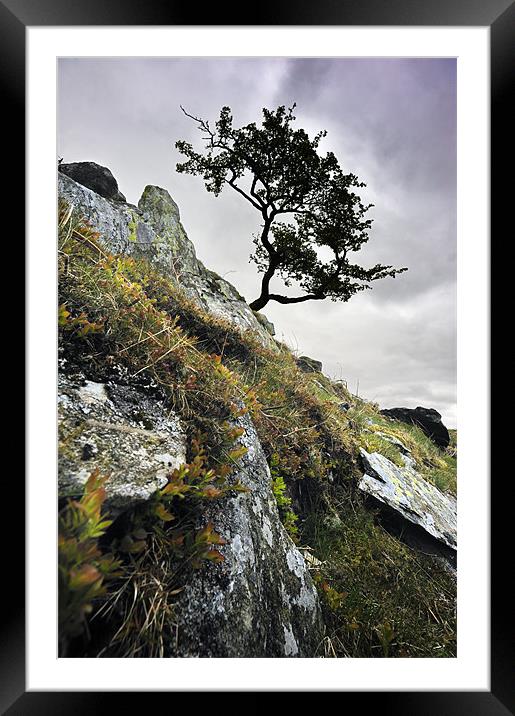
391 122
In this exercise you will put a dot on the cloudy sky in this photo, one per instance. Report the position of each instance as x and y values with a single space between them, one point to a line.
392 122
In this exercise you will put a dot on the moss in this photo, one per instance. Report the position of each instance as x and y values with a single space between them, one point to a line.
133 228
280 490
376 443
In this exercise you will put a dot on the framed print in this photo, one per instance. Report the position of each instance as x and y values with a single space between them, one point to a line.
224 499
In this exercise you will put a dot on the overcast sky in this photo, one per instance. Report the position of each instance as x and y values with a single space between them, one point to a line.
391 122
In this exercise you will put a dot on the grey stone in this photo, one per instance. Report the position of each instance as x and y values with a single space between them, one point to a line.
412 497
263 320
309 365
95 177
153 231
121 430
260 601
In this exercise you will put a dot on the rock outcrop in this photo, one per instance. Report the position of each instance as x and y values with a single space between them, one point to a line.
122 430
428 420
153 231
415 499
260 601
95 177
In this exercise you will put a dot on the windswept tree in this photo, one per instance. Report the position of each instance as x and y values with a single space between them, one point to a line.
278 170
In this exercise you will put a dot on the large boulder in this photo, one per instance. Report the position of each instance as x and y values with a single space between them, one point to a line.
95 177
260 601
428 419
413 498
124 431
153 230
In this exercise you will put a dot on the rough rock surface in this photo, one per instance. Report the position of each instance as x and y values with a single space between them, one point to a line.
404 490
124 431
263 320
309 365
260 601
153 230
428 419
95 177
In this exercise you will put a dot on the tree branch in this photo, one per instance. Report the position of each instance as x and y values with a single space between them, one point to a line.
232 182
261 302
296 299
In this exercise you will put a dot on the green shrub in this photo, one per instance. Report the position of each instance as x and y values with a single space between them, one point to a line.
288 516
83 568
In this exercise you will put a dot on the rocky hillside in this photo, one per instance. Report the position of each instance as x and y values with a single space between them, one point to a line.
153 231
218 495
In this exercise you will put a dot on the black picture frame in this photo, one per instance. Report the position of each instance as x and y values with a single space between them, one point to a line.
499 16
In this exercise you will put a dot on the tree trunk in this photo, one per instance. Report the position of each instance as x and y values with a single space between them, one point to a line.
259 303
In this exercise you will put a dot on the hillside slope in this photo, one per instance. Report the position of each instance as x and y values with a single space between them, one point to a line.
217 500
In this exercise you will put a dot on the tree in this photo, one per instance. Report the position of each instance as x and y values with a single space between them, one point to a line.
279 171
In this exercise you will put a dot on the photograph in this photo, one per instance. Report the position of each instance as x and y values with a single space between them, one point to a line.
257 405
258 272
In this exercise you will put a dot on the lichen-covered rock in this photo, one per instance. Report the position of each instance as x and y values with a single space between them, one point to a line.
124 431
412 497
168 246
260 601
95 177
153 231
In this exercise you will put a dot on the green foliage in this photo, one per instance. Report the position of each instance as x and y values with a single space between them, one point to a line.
288 516
132 226
83 568
379 597
373 430
80 325
160 544
197 481
289 177
376 443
